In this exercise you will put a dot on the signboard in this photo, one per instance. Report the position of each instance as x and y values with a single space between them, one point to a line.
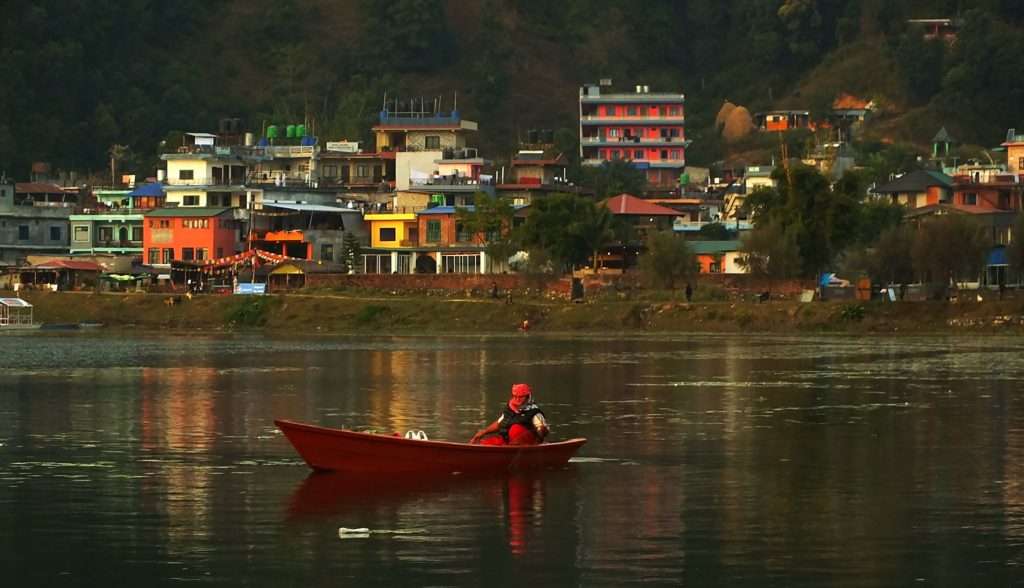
343 146
251 289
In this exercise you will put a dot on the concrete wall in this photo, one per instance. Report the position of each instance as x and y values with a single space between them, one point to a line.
421 161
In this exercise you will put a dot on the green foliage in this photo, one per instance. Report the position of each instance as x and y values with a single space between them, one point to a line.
567 229
249 311
1015 250
612 178
820 219
771 251
714 232
350 251
949 248
921 65
370 314
491 220
668 260
851 313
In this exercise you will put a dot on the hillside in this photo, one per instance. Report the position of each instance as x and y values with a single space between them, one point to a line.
80 77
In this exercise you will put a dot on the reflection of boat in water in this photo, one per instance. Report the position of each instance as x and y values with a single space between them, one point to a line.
371 454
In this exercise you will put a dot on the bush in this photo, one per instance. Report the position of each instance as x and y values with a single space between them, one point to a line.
370 314
249 311
851 313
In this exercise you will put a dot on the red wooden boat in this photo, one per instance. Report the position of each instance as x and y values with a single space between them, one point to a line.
339 450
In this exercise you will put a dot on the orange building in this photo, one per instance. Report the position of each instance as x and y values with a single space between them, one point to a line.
188 234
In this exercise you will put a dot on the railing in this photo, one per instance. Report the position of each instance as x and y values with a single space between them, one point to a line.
409 118
117 243
633 140
452 181
289 150
671 118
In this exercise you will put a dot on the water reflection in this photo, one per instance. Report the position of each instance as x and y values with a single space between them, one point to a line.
740 460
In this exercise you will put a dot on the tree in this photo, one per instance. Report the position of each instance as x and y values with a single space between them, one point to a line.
668 260
949 249
490 221
714 232
566 229
890 260
1015 250
771 251
615 177
350 250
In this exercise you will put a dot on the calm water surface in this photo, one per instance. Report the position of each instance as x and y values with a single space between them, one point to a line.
738 460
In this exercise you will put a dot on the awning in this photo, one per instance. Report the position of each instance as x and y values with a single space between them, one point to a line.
152 189
309 207
997 256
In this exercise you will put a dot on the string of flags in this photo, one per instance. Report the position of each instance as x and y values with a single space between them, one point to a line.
229 263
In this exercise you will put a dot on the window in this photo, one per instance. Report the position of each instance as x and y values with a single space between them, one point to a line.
136 233
638 154
23 232
168 255
631 110
188 254
664 154
433 231
460 263
81 234
220 252
386 234
432 142
971 199
609 111
165 224
55 233
1020 163
154 256
202 254
362 171
106 234
186 174
330 171
327 252
461 234
613 132
377 263
616 154
190 200
675 154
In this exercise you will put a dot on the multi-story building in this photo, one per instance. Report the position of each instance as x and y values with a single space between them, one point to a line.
34 219
114 232
1014 152
647 129
420 137
205 174
189 234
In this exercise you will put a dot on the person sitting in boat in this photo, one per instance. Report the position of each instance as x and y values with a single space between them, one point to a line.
521 422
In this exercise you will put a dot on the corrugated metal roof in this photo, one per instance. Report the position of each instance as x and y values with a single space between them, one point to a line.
311 207
705 247
627 204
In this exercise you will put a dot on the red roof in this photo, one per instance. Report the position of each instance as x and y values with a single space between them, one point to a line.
37 188
65 264
627 204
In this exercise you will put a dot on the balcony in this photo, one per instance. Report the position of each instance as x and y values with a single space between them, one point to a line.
118 244
639 120
289 150
627 141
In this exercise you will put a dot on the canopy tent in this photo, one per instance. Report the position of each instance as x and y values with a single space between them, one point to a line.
15 312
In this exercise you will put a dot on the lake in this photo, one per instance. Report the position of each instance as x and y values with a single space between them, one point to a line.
739 460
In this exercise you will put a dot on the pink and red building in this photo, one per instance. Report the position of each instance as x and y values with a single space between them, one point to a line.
644 128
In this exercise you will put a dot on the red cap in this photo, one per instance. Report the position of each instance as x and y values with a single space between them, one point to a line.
521 390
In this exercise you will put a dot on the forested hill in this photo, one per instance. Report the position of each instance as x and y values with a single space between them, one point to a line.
78 77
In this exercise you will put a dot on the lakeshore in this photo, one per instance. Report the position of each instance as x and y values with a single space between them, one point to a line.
402 313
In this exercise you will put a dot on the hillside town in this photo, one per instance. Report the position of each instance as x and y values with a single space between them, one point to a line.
274 207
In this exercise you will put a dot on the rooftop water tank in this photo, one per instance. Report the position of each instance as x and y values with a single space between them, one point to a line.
290 131
272 132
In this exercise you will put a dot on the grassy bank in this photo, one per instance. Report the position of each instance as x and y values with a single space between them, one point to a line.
406 314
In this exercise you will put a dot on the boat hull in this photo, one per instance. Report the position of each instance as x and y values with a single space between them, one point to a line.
338 450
